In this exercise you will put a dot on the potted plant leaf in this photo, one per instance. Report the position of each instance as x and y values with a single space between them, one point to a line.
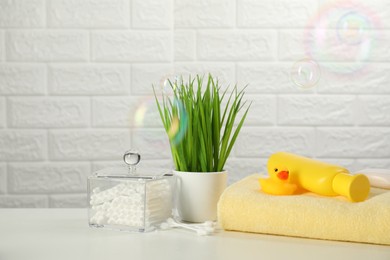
202 124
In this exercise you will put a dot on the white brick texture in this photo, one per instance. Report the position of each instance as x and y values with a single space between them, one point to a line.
68 201
299 43
38 178
204 14
352 142
22 79
129 112
20 13
22 145
152 14
76 83
37 112
380 51
88 144
50 45
316 110
2 47
374 110
184 45
236 45
292 47
2 113
262 110
136 46
3 178
370 163
94 79
225 72
154 143
89 13
275 13
272 78
271 140
239 168
371 80
146 75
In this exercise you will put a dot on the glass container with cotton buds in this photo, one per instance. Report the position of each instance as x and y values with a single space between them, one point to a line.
130 198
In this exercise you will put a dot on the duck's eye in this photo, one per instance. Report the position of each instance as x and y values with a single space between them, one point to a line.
276 169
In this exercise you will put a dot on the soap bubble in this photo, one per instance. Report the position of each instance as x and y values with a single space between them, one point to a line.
169 83
179 123
145 113
165 85
147 126
341 37
305 73
352 28
177 127
147 129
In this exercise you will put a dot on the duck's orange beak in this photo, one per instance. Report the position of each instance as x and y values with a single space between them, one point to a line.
283 175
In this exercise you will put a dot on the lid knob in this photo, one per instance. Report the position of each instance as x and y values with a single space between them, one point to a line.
132 158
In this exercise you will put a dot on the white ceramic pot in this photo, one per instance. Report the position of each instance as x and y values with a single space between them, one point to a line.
198 194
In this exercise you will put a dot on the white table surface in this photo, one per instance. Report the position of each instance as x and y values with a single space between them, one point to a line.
64 234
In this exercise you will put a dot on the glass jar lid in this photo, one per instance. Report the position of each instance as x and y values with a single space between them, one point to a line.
130 170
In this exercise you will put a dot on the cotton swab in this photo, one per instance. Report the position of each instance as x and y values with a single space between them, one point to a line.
203 229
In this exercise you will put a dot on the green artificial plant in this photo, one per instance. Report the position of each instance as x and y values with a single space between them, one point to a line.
200 127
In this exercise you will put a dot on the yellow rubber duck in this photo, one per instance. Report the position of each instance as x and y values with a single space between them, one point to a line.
291 174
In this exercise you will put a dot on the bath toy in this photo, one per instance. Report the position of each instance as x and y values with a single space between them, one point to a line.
292 174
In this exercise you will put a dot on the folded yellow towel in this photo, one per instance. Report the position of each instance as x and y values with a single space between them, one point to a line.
243 207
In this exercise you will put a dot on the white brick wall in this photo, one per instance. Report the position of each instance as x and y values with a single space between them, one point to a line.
263 77
145 74
68 201
353 142
19 13
2 113
89 14
48 177
373 110
23 145
272 139
275 13
3 179
133 46
22 79
316 110
46 45
89 79
73 74
38 112
152 14
87 144
225 71
184 45
121 112
245 45
204 14
2 46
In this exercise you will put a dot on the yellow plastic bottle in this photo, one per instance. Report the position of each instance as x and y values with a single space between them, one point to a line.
290 173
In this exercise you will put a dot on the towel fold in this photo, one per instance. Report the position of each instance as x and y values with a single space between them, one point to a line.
244 207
